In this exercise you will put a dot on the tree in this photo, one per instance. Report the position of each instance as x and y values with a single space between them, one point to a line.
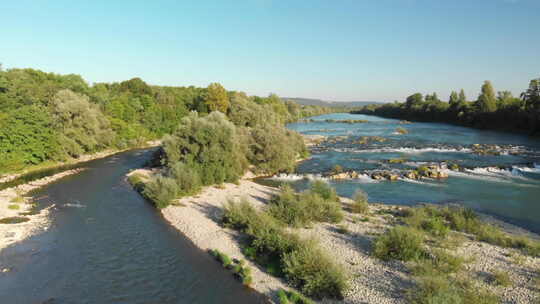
486 101
414 100
432 98
454 99
83 127
462 98
504 98
217 98
531 97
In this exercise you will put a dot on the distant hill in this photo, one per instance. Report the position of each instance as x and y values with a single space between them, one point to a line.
325 103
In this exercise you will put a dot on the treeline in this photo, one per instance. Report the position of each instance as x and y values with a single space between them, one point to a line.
488 111
49 117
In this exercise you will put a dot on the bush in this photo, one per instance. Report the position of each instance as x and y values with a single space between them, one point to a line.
501 278
303 263
299 210
314 272
187 178
292 297
360 204
209 145
441 289
137 182
161 190
324 190
400 243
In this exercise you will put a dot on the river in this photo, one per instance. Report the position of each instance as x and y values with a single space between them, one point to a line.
108 245
505 183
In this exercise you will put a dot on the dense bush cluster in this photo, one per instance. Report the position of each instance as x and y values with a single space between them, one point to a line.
300 261
489 110
318 204
50 117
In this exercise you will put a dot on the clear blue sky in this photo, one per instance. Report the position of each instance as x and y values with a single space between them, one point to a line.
337 50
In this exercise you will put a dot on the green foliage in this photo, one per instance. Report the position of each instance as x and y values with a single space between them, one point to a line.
137 181
14 207
400 243
27 137
292 297
324 190
486 101
301 261
501 278
161 190
210 145
216 98
440 289
83 127
488 111
187 178
360 204
275 149
301 209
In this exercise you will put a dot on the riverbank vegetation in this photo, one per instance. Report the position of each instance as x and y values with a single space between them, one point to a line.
423 239
48 118
490 110
300 261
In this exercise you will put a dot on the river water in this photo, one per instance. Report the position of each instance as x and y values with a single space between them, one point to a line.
505 183
108 245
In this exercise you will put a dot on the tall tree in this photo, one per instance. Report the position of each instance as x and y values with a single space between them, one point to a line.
414 99
217 98
454 99
486 101
531 97
462 98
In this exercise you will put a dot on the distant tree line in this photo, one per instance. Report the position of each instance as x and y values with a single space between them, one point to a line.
48 117
490 110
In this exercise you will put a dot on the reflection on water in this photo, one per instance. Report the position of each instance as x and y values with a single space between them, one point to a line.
107 245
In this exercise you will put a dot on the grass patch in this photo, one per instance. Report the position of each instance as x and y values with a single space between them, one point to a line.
18 199
501 278
360 204
14 220
303 264
238 267
292 297
319 204
439 220
441 289
400 243
14 207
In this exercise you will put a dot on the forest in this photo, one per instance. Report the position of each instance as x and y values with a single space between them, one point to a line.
501 110
47 117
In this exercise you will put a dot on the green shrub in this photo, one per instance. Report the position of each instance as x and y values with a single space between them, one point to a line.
161 191
209 145
187 178
313 272
323 189
300 210
401 243
137 182
14 207
360 204
501 278
441 289
302 262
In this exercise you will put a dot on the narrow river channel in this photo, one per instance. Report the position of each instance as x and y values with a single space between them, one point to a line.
108 245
